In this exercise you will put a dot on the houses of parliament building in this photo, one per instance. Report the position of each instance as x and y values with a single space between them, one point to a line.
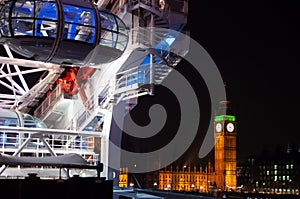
218 174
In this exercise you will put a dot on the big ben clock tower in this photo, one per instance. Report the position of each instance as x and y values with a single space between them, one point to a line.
225 149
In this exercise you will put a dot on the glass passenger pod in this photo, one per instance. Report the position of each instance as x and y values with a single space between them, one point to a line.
114 33
30 25
79 33
11 118
8 118
62 31
113 41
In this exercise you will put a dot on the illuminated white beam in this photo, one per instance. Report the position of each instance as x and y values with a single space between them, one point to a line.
26 72
15 84
36 132
28 63
6 106
9 87
7 96
24 83
5 101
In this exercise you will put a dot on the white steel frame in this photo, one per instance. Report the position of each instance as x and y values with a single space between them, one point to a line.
20 93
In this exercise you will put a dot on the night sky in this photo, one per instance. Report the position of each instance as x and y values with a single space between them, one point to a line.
255 45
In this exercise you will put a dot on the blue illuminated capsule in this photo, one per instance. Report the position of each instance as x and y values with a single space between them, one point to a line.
62 31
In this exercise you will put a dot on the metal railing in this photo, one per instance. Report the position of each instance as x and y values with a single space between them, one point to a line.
9 142
135 75
157 4
86 112
49 102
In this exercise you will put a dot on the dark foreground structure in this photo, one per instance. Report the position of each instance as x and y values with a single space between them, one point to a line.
35 188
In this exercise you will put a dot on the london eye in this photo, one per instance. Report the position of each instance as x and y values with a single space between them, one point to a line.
87 70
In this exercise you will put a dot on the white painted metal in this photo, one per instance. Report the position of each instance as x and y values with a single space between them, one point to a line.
20 95
64 115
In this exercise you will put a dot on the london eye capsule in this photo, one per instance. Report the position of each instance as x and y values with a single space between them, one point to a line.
62 31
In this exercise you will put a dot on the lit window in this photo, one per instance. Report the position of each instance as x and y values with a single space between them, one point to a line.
283 177
291 166
287 166
275 166
275 172
268 172
287 177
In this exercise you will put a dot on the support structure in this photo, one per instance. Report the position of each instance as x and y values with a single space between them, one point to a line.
107 93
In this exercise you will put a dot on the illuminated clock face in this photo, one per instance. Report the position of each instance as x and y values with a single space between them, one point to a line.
230 127
218 127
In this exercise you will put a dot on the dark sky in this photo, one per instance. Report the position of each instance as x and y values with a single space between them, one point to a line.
255 45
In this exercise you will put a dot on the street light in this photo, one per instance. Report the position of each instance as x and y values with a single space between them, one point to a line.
201 188
192 186
155 185
131 185
169 187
